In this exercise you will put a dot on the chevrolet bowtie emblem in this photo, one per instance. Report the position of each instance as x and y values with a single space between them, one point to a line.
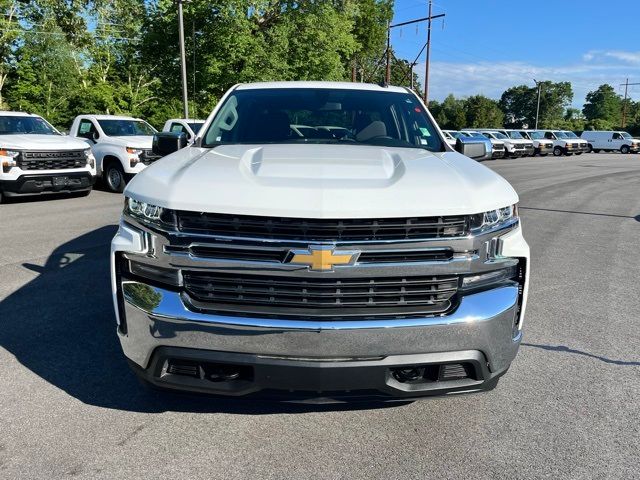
322 259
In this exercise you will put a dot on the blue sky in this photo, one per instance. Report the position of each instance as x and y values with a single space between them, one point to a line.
487 46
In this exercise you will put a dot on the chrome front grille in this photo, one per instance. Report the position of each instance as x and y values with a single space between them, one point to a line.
52 160
279 254
250 275
147 157
242 226
321 297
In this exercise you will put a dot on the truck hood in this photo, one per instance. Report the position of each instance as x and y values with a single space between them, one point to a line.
321 181
42 142
133 141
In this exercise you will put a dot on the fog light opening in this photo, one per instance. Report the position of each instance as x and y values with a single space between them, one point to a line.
407 374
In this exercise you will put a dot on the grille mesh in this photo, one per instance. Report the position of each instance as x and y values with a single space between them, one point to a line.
52 160
363 297
322 230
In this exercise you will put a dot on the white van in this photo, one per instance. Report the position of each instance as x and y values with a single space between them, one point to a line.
610 141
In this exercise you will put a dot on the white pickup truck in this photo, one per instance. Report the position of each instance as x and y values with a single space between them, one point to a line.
179 125
36 158
376 262
121 146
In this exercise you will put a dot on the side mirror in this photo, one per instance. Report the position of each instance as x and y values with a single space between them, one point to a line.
95 136
165 143
471 148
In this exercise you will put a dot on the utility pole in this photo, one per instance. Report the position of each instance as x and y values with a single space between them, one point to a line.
194 70
388 52
624 103
183 60
387 74
426 65
539 85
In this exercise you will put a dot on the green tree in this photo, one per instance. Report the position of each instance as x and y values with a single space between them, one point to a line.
520 103
370 20
45 80
603 107
481 111
450 114
9 36
401 74
256 41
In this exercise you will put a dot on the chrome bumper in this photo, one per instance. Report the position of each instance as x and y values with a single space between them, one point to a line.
484 322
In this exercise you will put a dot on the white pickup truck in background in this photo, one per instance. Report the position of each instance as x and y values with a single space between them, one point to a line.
121 146
189 127
36 158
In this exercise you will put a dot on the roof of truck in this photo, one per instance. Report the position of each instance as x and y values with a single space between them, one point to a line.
18 114
110 117
337 85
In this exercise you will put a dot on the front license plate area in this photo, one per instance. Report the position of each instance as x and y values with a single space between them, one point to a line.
60 181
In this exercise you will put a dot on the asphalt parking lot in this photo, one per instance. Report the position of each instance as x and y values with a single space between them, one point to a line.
568 408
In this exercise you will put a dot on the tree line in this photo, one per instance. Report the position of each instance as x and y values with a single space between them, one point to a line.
517 107
61 58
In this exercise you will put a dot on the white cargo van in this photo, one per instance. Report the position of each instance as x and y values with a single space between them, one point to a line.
609 141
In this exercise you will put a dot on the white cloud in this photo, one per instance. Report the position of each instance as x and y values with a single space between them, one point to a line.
491 79
623 56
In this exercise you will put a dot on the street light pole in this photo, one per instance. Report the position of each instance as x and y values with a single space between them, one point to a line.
183 60
539 85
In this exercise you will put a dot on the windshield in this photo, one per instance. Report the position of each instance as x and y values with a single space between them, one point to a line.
626 135
570 134
560 134
319 115
17 125
515 135
458 134
536 135
476 135
126 128
196 126
499 135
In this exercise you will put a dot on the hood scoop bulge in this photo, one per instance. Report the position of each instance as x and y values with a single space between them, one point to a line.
322 163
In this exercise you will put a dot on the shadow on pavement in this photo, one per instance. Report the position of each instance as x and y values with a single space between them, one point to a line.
61 326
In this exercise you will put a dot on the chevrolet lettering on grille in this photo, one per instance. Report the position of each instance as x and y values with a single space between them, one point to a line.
322 259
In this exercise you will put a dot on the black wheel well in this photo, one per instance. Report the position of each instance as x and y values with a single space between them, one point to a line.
108 160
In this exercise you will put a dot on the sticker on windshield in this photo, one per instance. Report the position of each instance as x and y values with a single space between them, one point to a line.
425 132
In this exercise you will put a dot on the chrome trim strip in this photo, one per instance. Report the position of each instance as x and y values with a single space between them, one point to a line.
502 228
168 305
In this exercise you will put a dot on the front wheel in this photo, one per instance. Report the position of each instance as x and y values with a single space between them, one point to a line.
590 148
557 152
114 178
624 149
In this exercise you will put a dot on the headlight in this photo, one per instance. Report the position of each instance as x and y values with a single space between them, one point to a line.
493 218
134 151
149 213
8 159
91 160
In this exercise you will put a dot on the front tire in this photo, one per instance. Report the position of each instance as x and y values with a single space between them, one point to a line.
114 177
590 149
624 149
557 152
